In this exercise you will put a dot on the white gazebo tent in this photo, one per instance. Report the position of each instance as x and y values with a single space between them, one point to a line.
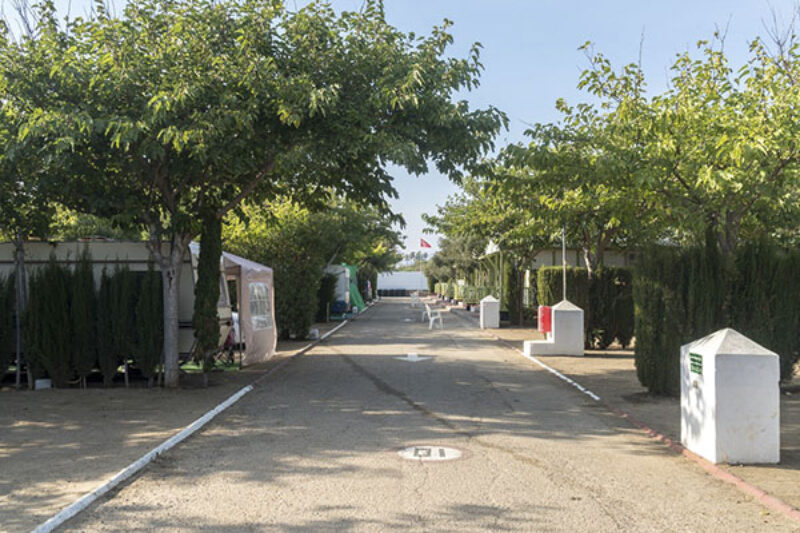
256 305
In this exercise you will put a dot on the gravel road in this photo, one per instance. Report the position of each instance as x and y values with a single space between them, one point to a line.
315 448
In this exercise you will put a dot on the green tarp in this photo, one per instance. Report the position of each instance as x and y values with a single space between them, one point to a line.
355 297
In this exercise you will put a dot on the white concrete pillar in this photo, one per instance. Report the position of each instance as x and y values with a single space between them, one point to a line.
730 399
567 333
490 312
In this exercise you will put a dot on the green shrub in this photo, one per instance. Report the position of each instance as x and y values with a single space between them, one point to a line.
514 281
7 321
549 286
450 289
611 303
205 318
123 314
149 324
48 338
658 287
765 296
84 316
681 295
116 324
106 349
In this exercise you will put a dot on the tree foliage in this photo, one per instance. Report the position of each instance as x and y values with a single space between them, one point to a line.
83 312
205 319
178 107
150 324
297 243
48 338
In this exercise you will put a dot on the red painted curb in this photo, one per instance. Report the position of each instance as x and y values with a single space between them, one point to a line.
767 500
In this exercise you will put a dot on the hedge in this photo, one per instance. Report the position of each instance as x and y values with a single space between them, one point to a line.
83 310
606 300
48 332
205 318
611 304
70 329
549 286
684 294
149 324
7 322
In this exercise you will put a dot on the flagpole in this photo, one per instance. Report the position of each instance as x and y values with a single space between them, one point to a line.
564 260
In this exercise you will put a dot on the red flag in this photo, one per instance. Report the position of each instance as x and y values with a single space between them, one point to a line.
424 244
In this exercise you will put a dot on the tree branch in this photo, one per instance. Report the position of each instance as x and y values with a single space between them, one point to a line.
249 188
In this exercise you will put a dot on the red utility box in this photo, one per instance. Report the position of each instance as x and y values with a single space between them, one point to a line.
545 319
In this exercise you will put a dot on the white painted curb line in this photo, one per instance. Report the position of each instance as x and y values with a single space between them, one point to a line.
550 369
561 376
87 499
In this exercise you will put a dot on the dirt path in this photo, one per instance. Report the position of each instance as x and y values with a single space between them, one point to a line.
57 445
314 448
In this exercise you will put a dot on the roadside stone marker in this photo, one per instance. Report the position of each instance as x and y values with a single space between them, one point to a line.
490 313
430 453
730 399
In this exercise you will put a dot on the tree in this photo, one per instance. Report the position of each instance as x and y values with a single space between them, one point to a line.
192 106
47 324
149 324
298 243
719 146
581 175
206 293
458 256
106 348
24 207
83 313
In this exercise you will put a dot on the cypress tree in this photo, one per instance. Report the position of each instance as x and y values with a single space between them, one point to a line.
107 356
149 324
659 316
48 326
206 292
123 315
7 331
84 317
786 312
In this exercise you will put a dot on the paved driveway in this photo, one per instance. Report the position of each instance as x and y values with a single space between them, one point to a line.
315 448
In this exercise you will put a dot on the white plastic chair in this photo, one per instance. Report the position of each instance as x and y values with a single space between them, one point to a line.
433 315
415 301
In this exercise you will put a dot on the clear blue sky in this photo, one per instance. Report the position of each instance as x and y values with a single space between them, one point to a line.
531 57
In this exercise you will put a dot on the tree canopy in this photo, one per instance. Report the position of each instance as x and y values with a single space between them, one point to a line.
176 110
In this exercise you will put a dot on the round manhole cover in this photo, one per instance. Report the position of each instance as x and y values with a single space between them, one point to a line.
425 452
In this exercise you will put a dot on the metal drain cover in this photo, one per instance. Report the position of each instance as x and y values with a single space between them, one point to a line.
426 452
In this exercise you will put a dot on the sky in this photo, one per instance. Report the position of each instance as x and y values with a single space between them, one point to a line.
531 57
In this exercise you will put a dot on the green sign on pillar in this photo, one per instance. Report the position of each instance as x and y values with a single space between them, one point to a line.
696 363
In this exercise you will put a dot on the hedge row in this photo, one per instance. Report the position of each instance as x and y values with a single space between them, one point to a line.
606 300
7 322
684 294
70 328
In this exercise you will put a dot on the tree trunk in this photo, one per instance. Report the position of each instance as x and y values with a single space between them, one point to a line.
590 259
21 301
170 275
728 234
